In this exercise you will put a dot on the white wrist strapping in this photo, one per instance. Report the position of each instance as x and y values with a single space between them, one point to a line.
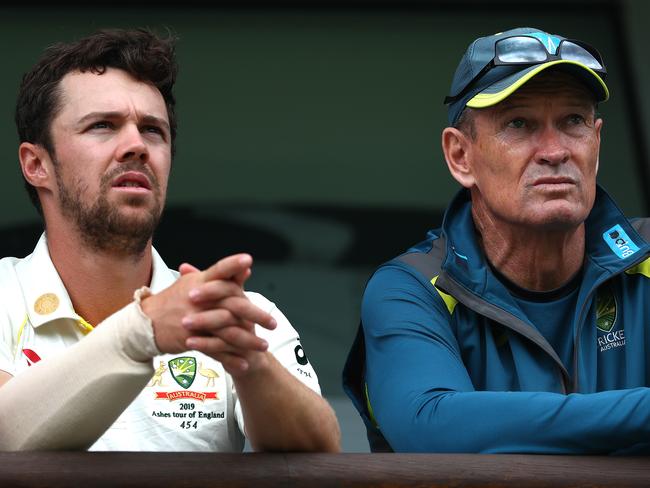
69 400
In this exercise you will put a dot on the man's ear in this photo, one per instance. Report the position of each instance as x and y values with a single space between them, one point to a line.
456 146
598 126
36 165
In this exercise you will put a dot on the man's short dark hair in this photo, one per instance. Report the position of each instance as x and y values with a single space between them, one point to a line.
141 53
466 123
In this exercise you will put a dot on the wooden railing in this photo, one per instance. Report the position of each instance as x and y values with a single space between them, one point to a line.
126 469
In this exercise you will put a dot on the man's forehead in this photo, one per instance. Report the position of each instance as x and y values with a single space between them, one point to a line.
90 91
552 86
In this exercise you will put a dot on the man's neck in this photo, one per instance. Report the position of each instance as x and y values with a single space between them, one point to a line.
534 259
98 282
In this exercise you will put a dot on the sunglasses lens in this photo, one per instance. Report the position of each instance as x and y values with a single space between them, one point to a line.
520 50
573 52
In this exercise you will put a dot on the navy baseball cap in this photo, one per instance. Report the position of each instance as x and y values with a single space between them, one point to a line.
494 67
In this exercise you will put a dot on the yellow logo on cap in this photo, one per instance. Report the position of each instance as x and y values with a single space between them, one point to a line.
46 304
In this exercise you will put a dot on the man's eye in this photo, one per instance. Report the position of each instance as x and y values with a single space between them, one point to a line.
517 123
576 119
103 124
154 130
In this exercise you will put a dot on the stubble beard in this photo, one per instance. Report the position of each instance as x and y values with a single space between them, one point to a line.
101 226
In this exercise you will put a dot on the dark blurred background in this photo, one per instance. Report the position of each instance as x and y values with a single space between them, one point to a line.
309 135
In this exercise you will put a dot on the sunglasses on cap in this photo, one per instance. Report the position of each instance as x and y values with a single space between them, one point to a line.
530 50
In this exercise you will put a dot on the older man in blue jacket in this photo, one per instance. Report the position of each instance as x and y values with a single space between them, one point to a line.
521 325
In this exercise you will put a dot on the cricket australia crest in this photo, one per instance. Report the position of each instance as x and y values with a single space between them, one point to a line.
183 370
605 309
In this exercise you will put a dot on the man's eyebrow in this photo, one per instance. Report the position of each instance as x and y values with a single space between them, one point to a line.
502 110
152 119
509 107
147 119
99 115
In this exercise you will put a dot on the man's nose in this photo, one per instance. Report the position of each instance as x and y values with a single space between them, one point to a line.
132 146
553 147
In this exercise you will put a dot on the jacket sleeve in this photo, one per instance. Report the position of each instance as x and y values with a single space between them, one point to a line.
423 399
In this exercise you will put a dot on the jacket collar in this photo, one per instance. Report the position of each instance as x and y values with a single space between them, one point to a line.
46 298
466 262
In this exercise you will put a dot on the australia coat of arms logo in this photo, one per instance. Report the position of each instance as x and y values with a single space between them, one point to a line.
183 370
610 334
605 309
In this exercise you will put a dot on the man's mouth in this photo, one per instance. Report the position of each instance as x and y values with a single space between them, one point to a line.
132 180
554 180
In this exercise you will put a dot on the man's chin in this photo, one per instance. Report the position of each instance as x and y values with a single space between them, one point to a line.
559 219
136 212
123 232
135 223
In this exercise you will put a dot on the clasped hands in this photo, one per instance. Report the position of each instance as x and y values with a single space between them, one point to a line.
208 311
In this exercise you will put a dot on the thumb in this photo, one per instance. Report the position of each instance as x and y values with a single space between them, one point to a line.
187 268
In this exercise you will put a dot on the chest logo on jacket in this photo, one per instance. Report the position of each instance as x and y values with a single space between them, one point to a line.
606 314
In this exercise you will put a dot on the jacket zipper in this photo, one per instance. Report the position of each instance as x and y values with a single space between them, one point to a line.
482 307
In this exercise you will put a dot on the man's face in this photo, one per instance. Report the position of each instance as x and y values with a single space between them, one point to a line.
112 156
535 155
